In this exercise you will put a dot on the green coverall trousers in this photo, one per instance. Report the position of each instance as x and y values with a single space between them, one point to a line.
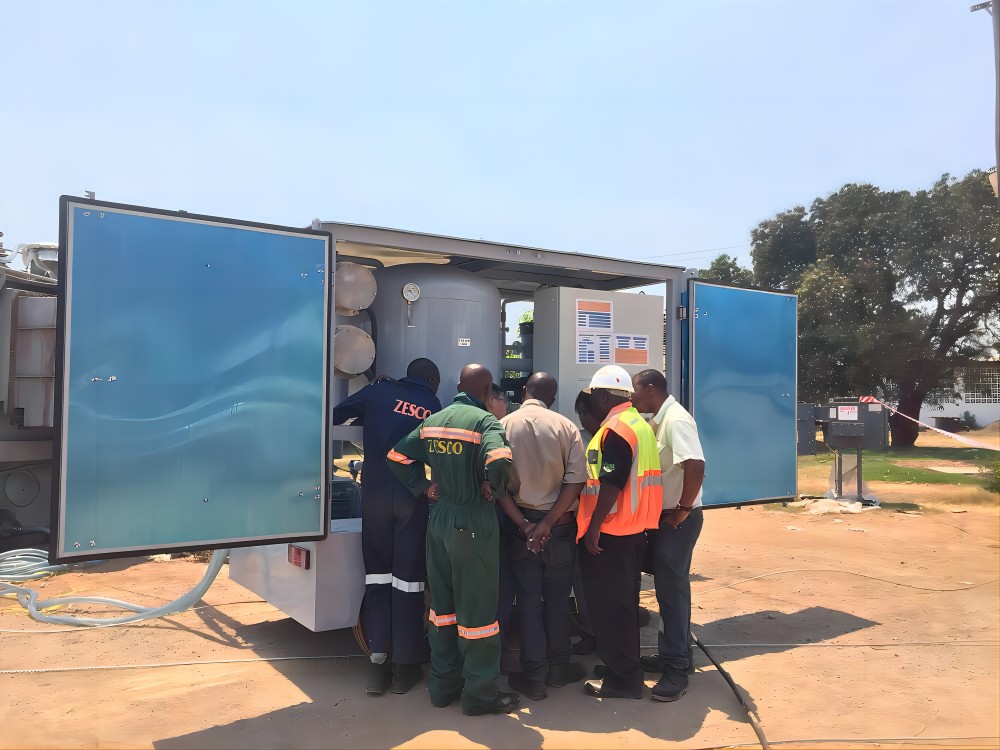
463 569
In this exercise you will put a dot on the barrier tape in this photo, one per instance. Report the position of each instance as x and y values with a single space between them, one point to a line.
952 435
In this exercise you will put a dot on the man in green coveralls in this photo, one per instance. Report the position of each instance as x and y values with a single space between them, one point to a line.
467 452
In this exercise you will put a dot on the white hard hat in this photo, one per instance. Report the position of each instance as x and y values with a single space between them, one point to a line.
611 378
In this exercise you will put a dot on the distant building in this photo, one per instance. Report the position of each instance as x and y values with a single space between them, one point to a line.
976 390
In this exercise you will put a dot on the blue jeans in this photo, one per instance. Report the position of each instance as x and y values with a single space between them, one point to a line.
672 552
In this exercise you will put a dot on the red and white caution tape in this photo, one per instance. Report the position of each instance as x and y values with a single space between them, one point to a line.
959 438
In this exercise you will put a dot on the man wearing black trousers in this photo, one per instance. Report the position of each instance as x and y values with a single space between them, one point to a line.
393 527
621 501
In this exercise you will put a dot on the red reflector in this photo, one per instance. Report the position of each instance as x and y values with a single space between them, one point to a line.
298 556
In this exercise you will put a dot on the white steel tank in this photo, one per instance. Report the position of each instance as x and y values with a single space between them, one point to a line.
446 314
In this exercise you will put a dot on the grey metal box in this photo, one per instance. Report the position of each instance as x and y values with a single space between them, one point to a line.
845 434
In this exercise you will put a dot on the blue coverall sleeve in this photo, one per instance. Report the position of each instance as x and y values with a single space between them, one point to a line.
352 406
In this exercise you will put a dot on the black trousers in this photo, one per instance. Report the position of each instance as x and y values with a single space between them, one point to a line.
394 543
611 582
505 596
543 583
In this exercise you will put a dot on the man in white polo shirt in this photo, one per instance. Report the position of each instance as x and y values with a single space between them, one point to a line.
682 466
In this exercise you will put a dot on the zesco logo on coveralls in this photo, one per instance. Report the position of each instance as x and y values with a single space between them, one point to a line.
448 440
411 410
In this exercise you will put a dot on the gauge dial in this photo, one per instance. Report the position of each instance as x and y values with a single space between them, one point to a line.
411 292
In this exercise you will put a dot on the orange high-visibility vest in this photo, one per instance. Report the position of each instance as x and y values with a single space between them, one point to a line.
638 506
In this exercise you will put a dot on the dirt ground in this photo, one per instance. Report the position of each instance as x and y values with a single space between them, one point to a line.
822 649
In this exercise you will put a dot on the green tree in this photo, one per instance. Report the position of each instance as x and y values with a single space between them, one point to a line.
895 289
783 247
725 268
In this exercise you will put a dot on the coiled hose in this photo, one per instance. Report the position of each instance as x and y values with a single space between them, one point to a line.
26 565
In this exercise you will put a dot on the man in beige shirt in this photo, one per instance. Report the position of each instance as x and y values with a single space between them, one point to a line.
550 470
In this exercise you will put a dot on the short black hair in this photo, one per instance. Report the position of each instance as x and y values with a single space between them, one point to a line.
652 377
423 368
498 391
582 402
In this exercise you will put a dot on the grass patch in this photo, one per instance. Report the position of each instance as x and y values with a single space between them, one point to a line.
884 466
971 455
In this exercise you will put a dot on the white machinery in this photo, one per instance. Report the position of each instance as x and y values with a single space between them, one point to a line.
27 370
397 296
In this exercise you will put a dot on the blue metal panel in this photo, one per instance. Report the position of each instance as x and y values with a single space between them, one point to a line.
742 382
192 386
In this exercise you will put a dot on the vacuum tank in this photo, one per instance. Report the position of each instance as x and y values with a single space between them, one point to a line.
446 314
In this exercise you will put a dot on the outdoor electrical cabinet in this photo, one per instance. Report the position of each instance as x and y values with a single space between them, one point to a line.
874 417
806 427
842 435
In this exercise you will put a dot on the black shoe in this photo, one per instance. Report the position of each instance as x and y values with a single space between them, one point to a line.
672 685
404 677
504 703
565 674
534 689
584 646
652 663
378 678
597 689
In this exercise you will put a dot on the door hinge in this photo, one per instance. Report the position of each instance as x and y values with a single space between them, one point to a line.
682 313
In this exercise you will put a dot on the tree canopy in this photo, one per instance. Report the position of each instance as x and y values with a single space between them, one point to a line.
725 268
895 288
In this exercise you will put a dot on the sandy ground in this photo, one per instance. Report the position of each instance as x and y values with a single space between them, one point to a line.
821 651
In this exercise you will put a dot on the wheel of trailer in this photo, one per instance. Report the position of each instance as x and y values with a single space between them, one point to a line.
359 630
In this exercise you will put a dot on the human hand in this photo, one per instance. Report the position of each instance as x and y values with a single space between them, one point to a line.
677 517
486 491
434 491
538 537
591 539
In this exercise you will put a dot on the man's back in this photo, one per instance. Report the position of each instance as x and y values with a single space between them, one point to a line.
547 453
458 444
387 410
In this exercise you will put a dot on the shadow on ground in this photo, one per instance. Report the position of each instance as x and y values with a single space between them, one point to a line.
811 625
339 714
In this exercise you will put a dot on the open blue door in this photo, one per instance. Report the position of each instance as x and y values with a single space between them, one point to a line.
191 382
741 390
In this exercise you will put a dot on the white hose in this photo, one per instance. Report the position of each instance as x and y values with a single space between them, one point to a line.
28 565
28 598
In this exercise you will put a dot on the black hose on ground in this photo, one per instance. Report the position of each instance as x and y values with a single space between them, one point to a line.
736 691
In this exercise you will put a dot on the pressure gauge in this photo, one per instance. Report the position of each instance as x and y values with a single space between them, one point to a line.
411 292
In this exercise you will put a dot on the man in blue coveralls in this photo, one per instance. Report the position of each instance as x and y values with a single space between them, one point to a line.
393 526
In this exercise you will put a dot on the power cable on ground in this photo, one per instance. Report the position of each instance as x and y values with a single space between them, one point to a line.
736 691
158 665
